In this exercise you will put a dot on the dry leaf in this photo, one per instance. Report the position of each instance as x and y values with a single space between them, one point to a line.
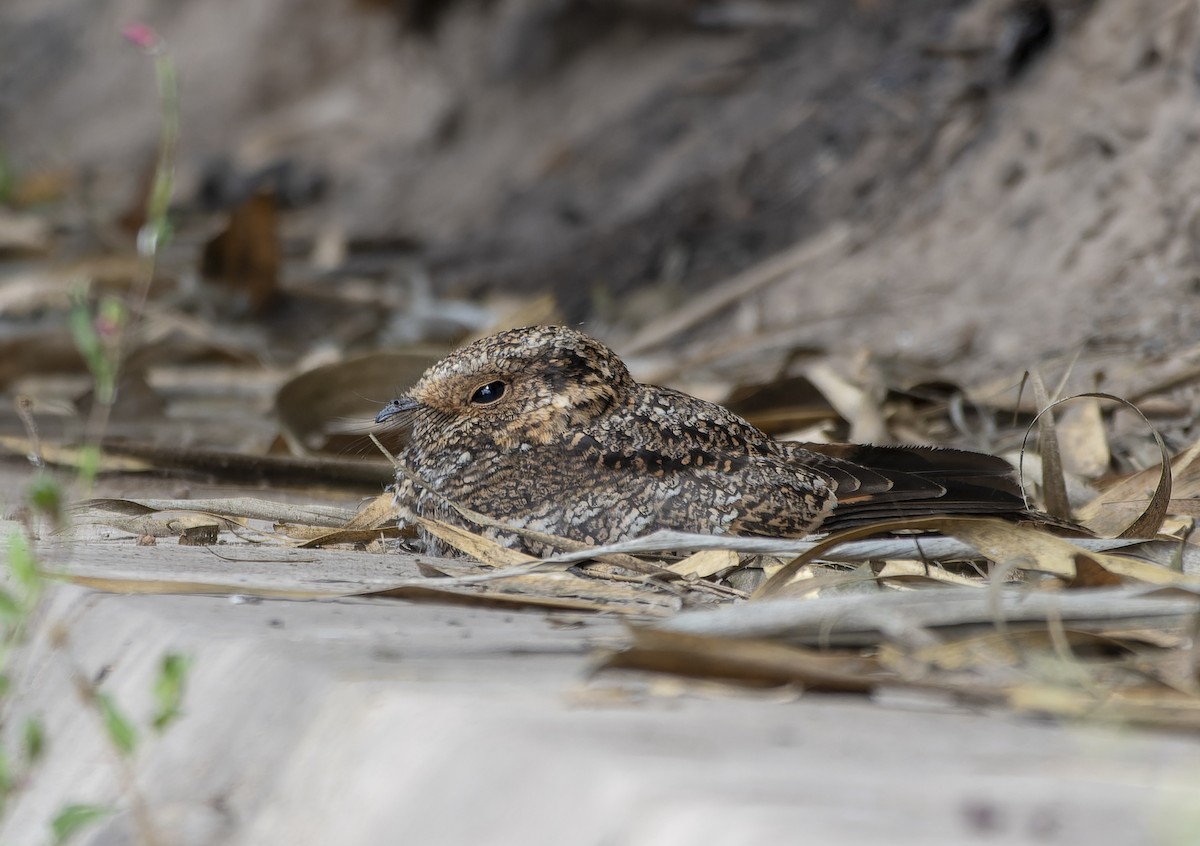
245 257
1034 549
1054 484
23 234
331 408
156 586
782 405
487 551
67 456
707 562
375 513
317 540
746 661
1120 503
923 571
1082 439
1089 574
1161 707
867 619
231 508
852 402
506 601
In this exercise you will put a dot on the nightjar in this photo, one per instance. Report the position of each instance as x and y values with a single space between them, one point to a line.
544 428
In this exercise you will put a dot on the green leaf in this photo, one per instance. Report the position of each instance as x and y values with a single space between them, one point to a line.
94 338
111 313
83 331
22 564
34 740
9 606
46 496
89 465
120 730
73 818
6 776
168 688
8 177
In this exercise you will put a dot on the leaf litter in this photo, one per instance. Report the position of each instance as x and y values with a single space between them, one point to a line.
1083 627
979 609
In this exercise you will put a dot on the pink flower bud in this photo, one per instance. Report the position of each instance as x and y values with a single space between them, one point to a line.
141 35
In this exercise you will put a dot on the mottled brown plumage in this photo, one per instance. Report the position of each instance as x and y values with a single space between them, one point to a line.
544 428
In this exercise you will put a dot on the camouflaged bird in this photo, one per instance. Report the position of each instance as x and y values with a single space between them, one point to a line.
544 428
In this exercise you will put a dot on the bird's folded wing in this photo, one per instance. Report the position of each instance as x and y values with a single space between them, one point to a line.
887 482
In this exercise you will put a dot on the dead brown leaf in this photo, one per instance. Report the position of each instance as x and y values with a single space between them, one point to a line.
68 456
705 563
1054 485
782 405
245 256
330 408
487 551
508 601
756 662
1021 547
1082 439
1120 504
1088 573
155 586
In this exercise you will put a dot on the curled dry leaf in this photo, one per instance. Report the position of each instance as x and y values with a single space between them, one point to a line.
1121 503
331 408
1150 520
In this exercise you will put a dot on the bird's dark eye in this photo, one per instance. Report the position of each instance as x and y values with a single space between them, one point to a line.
488 393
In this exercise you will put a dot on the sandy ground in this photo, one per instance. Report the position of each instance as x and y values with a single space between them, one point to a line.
997 219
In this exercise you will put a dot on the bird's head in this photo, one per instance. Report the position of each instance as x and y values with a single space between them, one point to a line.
522 386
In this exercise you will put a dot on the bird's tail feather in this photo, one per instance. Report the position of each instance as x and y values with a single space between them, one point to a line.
876 483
